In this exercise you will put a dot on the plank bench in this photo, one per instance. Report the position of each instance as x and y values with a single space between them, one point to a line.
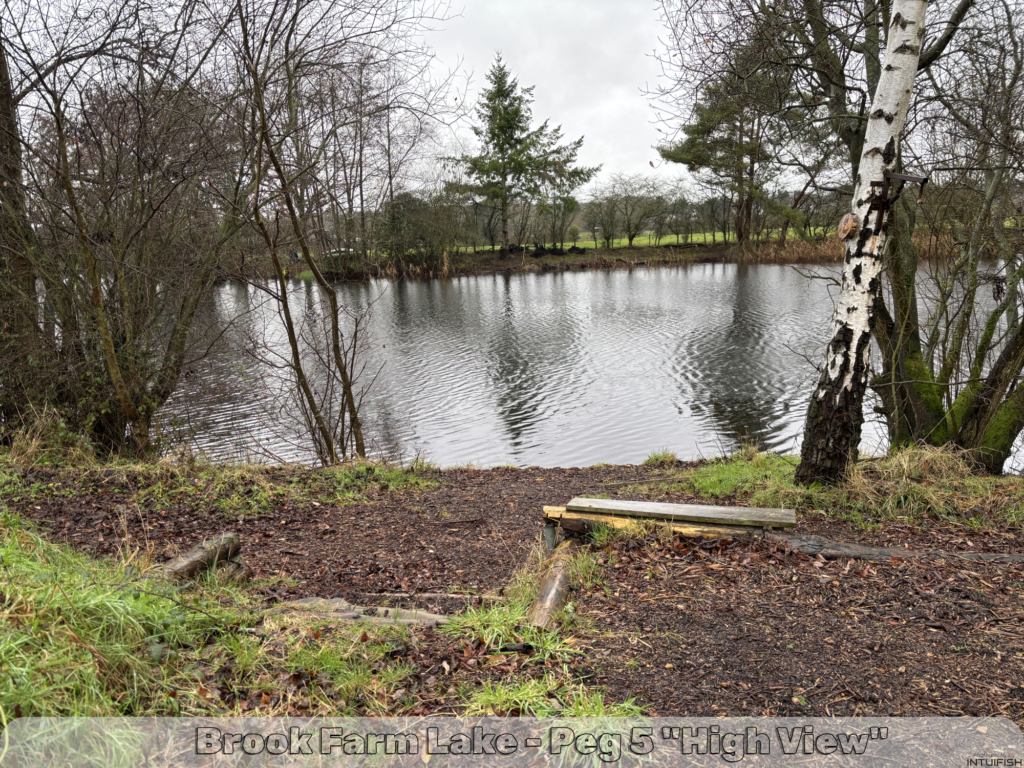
695 520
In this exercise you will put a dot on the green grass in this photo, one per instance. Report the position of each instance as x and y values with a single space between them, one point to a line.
660 458
87 638
504 623
549 696
647 238
910 484
234 491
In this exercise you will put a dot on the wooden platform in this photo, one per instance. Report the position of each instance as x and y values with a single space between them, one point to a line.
688 513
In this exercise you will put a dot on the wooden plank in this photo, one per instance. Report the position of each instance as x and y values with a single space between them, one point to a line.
694 513
582 522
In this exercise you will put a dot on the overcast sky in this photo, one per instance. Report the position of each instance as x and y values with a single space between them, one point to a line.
589 61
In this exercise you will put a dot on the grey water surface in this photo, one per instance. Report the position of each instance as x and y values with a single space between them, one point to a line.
552 369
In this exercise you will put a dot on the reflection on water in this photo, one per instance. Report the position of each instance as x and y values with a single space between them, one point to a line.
552 369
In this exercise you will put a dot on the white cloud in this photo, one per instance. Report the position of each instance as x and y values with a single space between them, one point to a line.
588 61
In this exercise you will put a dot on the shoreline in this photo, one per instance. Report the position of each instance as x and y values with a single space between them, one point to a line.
488 262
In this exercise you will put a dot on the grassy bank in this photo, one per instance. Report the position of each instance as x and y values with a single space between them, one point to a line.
915 485
231 490
102 636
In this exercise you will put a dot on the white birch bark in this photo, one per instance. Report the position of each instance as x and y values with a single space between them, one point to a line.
835 415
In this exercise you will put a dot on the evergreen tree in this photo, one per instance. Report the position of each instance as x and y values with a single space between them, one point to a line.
515 162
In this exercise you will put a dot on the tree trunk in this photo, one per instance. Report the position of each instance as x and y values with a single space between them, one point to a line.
18 307
835 413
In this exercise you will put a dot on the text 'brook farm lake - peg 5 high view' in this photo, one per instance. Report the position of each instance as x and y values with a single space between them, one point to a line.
428 362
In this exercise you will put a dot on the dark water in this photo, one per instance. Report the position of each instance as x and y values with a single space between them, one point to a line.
556 369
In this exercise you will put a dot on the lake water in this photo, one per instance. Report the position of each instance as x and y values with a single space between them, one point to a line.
551 369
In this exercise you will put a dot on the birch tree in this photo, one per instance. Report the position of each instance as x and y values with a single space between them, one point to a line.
835 414
834 56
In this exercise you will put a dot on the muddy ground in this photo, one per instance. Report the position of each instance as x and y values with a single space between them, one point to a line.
683 627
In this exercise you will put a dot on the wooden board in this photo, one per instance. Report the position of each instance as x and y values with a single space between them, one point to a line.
692 513
582 522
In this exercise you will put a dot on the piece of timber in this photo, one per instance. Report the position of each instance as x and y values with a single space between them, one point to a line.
691 513
553 590
812 545
581 522
221 547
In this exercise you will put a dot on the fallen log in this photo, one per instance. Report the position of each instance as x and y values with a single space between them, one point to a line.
836 550
339 609
434 595
580 522
554 588
221 547
233 570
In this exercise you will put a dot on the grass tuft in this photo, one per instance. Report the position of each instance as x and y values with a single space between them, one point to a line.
85 638
661 458
548 696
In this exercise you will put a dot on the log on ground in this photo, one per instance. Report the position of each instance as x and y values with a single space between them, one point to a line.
235 570
553 590
220 548
339 609
835 550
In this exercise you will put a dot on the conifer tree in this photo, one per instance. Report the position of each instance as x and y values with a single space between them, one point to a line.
515 162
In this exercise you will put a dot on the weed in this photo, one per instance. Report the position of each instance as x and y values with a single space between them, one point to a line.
660 458
47 440
549 696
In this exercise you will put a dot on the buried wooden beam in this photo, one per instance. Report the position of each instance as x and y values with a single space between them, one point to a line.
212 551
580 522
689 513
554 588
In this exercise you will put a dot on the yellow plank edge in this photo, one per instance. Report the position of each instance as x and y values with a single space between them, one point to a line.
618 521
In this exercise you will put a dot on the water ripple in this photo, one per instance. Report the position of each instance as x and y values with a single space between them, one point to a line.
552 369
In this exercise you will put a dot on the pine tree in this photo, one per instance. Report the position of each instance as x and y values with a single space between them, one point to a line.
516 162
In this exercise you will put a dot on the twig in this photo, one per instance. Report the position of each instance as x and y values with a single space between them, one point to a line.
642 482
667 597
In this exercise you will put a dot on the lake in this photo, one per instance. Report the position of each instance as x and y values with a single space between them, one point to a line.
550 369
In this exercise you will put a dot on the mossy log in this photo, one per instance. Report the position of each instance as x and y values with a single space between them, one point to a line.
220 548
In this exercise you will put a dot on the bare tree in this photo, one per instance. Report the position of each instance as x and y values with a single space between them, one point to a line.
637 200
120 131
840 57
288 55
